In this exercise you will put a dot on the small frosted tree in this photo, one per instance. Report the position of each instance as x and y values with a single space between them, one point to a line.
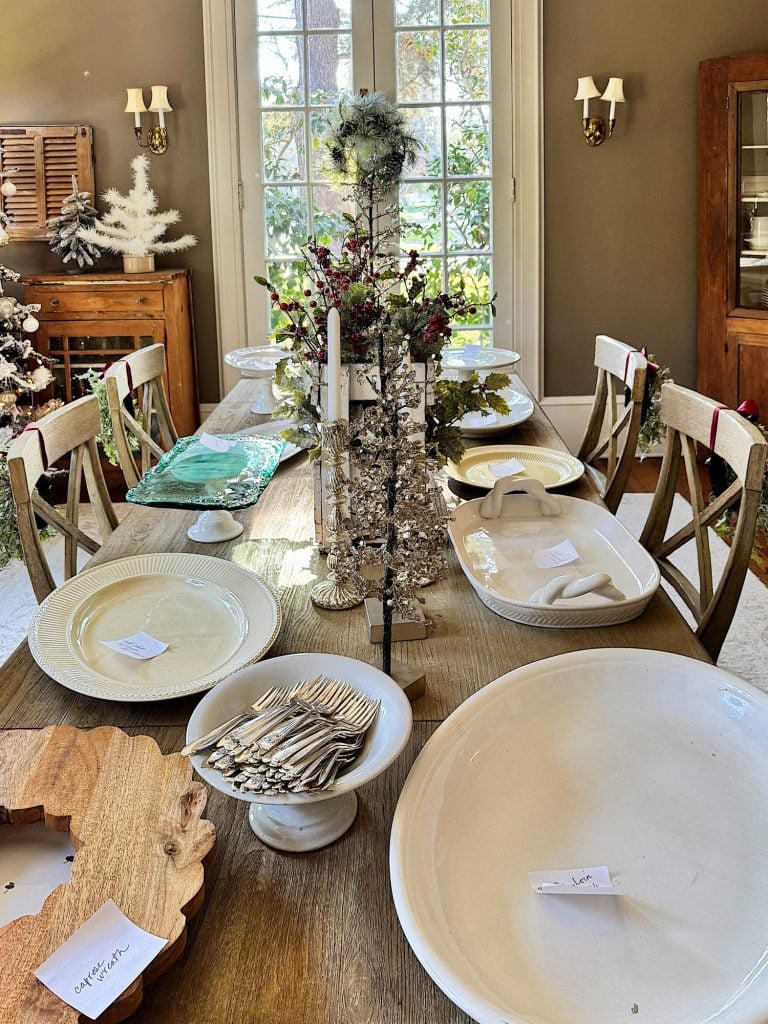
132 226
64 230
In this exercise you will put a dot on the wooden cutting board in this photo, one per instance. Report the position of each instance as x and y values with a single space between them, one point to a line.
134 816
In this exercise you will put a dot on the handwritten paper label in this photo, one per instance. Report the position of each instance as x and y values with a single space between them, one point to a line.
99 961
477 419
472 351
216 444
140 646
577 881
508 468
561 554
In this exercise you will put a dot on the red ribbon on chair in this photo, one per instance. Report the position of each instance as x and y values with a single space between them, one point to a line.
41 439
713 429
127 370
750 409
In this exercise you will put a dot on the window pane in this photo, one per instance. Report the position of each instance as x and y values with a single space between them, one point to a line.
421 217
328 13
289 284
475 272
418 66
281 60
330 66
426 124
466 64
466 12
469 337
277 15
417 12
283 143
320 159
469 215
328 208
285 208
469 148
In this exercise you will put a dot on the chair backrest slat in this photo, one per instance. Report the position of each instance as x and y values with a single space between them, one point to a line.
691 418
612 430
72 431
137 380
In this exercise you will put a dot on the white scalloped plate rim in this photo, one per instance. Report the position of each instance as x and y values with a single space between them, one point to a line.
50 648
569 467
521 409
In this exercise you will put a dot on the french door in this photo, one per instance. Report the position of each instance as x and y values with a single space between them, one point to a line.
447 63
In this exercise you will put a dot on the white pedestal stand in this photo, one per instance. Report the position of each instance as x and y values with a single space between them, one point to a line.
301 827
215 526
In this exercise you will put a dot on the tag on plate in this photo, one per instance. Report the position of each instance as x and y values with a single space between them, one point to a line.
216 444
577 881
507 468
561 554
140 646
99 961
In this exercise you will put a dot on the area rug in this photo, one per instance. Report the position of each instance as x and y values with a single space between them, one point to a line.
745 651
17 601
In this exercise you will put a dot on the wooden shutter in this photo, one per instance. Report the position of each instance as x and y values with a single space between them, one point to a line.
46 157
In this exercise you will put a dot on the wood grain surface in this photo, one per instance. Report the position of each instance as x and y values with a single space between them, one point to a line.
135 820
313 938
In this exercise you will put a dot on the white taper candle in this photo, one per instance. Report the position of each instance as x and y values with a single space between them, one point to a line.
334 365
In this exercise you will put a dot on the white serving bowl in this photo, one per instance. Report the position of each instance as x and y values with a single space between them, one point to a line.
650 763
306 821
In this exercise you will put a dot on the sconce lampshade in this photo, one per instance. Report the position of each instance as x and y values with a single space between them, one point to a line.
587 90
614 91
135 101
159 99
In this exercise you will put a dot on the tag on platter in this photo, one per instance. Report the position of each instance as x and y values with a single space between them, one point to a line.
507 468
561 554
216 444
140 646
575 882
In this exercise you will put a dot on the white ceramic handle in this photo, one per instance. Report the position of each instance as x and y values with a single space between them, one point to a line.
490 506
569 586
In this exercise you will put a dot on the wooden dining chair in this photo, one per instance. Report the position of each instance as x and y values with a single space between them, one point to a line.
70 430
139 377
690 419
613 428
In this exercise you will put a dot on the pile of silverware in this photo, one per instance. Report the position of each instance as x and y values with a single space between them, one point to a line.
294 739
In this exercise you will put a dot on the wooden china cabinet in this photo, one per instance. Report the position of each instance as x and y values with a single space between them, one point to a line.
89 320
733 230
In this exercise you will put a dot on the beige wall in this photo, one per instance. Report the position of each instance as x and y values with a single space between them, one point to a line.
621 219
71 63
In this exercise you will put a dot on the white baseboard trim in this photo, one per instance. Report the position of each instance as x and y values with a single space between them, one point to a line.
569 415
206 408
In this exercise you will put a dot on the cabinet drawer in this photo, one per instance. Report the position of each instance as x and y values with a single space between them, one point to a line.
109 300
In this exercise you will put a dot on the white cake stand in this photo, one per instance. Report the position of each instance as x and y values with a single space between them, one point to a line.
299 822
214 526
258 363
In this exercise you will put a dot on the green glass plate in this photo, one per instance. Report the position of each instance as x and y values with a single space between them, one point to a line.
194 477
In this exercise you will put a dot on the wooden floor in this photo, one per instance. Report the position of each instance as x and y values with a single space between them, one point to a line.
645 477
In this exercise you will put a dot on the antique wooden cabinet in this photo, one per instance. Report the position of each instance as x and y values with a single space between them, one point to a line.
90 320
733 230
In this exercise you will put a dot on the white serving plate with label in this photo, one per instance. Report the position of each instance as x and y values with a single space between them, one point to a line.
552 467
215 616
517 552
521 408
650 763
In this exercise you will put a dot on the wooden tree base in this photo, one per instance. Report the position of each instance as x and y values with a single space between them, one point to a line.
413 628
409 677
134 816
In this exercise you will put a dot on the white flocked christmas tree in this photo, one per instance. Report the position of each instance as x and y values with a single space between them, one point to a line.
64 230
132 226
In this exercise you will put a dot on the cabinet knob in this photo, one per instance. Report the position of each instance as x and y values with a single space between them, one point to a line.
54 302
139 300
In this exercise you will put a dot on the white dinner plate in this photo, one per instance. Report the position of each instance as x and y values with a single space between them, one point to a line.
554 468
215 616
652 764
521 408
477 358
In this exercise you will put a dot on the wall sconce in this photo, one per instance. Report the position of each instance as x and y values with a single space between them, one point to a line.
594 127
157 136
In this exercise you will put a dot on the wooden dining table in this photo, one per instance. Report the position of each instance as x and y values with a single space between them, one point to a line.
313 938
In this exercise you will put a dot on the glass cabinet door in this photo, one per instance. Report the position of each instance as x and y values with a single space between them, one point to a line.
752 200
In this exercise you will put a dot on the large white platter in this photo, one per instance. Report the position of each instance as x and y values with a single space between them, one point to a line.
650 763
497 539
521 408
552 467
215 616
